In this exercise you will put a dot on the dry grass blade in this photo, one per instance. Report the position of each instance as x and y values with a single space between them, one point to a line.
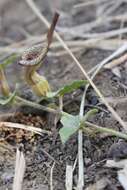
24 127
19 170
77 45
44 20
86 27
114 55
69 177
88 3
116 62
111 44
102 35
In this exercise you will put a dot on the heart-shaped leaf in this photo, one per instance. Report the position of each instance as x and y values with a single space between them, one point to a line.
70 125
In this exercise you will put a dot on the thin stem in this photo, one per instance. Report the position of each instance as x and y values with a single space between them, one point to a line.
61 103
106 130
80 145
81 113
37 106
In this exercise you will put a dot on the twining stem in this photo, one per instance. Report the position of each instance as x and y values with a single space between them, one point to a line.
89 124
105 130
86 123
36 105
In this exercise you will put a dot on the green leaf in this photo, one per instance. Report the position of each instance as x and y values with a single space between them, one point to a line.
70 125
68 88
8 60
8 100
89 114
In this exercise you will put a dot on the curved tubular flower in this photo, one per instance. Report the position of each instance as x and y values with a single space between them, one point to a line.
32 59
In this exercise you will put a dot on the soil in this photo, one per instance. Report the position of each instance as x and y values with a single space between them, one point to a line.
42 151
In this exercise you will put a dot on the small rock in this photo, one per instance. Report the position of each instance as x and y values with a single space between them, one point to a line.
118 150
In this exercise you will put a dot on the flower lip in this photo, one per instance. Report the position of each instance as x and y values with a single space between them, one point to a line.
32 56
30 59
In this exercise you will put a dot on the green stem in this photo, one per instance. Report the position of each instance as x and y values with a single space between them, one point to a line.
37 106
80 184
51 110
106 130
61 103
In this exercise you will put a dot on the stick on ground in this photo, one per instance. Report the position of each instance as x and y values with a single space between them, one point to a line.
19 170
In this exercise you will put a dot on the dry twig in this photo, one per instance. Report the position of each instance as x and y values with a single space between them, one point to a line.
24 127
19 170
51 176
69 177
116 62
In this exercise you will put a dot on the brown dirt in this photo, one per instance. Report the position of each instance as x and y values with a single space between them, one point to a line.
59 71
